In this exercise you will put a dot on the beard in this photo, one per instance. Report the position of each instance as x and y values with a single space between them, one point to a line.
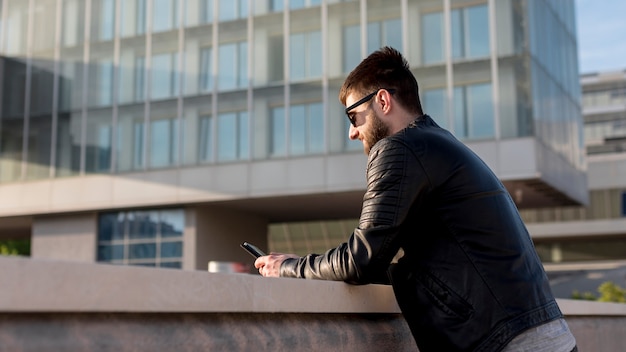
377 132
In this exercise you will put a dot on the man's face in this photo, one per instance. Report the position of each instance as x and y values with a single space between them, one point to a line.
368 126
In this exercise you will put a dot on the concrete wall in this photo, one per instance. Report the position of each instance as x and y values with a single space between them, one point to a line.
53 305
65 237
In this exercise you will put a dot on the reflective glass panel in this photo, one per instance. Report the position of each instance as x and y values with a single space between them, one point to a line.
102 20
151 238
478 28
164 76
138 144
233 66
163 142
351 47
171 249
206 70
142 224
227 136
111 252
98 141
460 112
278 145
164 15
111 226
432 38
142 251
480 111
244 135
172 222
434 105
297 127
316 127
129 138
206 138
73 22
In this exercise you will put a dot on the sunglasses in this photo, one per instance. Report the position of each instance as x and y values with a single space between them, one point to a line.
365 99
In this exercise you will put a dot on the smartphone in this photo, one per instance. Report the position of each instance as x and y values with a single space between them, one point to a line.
252 249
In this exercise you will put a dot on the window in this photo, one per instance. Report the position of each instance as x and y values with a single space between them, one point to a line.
351 47
163 142
164 15
296 4
473 111
206 73
147 238
103 19
434 101
470 32
276 5
140 17
233 9
139 74
133 17
306 55
306 130
379 34
384 33
72 24
206 11
232 136
101 81
275 60
206 138
164 76
233 66
138 144
278 144
432 38
624 203
98 149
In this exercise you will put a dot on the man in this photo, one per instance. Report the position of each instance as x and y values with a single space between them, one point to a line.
469 278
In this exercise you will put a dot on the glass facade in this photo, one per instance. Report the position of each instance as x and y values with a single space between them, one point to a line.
555 90
109 86
605 120
147 238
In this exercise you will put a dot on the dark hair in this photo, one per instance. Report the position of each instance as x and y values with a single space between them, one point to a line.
384 68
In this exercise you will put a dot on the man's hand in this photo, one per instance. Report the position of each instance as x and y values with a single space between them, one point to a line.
269 265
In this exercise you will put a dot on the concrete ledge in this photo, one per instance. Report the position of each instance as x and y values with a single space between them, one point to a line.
72 306
35 285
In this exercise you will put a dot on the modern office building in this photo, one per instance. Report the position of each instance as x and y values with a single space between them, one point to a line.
595 232
163 133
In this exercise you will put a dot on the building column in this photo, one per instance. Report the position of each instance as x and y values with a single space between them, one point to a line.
65 237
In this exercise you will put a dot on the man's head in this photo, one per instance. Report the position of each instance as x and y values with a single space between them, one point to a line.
382 97
384 68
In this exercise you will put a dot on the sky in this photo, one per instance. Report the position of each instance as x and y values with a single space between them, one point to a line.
601 26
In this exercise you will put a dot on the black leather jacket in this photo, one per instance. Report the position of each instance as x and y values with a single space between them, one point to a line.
470 278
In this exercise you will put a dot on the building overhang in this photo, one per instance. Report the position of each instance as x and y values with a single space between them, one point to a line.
535 175
298 189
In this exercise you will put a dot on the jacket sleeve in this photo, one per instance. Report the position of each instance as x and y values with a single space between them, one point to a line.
395 181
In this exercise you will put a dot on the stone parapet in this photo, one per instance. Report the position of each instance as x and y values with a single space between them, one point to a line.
69 306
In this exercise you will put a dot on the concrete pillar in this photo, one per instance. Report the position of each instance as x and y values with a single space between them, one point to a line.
65 237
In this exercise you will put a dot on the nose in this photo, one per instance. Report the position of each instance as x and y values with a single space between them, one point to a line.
353 132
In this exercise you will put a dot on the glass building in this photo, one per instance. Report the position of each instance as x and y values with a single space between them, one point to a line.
595 232
163 132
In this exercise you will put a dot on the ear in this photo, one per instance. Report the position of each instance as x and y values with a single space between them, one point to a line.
384 99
